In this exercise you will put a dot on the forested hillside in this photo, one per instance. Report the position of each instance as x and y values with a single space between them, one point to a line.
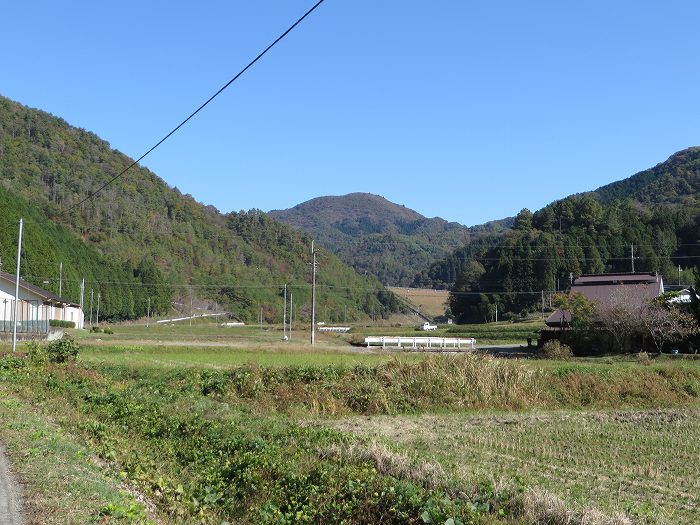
655 210
675 181
124 290
238 259
378 237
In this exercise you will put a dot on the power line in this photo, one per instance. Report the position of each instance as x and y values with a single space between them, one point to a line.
166 137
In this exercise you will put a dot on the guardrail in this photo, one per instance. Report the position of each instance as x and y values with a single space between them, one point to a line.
337 329
442 343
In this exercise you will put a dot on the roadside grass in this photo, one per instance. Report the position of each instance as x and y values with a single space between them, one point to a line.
641 462
63 483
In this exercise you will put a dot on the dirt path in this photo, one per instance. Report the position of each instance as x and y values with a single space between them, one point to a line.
9 494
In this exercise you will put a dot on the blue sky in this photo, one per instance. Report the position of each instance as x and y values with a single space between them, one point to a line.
468 110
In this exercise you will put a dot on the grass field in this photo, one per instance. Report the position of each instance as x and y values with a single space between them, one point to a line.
216 357
209 425
270 337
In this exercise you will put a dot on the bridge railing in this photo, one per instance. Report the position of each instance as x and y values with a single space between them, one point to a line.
442 343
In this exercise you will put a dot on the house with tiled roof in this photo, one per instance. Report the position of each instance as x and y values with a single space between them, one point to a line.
608 290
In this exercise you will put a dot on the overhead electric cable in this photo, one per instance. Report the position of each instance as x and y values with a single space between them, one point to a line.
166 137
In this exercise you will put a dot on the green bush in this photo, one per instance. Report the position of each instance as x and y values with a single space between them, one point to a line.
555 350
61 324
59 351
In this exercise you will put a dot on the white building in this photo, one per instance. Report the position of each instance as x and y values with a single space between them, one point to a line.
36 308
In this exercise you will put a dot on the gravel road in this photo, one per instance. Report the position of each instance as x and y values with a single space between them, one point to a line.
9 494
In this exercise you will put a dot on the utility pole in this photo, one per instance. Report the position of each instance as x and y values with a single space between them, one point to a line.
679 275
191 311
633 258
92 296
313 294
284 315
291 313
148 312
60 289
19 258
496 312
542 304
82 297
97 321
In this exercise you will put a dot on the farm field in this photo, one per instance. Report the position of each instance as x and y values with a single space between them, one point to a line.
501 333
218 357
270 337
249 429
639 462
429 302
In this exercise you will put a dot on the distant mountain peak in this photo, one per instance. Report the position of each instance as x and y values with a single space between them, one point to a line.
353 207
377 236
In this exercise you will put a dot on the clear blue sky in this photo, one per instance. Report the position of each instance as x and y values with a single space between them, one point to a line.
468 110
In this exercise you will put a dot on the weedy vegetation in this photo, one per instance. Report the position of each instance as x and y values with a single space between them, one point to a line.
262 444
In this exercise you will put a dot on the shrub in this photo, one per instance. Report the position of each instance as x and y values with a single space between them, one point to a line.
59 351
644 358
61 324
555 350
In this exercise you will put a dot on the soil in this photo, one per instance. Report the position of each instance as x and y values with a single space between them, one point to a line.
10 510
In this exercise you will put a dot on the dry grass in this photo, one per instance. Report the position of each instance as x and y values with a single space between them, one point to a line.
430 474
642 462
534 506
429 302
539 507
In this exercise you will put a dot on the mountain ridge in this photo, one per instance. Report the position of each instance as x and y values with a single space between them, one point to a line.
656 210
377 236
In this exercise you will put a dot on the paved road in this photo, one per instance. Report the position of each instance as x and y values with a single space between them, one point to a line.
9 495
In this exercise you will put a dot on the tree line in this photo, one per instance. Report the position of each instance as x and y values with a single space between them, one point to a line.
567 238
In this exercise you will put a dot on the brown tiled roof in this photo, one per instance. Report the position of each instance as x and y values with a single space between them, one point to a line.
634 289
48 296
607 290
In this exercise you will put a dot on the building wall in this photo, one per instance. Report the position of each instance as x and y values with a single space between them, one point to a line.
32 307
